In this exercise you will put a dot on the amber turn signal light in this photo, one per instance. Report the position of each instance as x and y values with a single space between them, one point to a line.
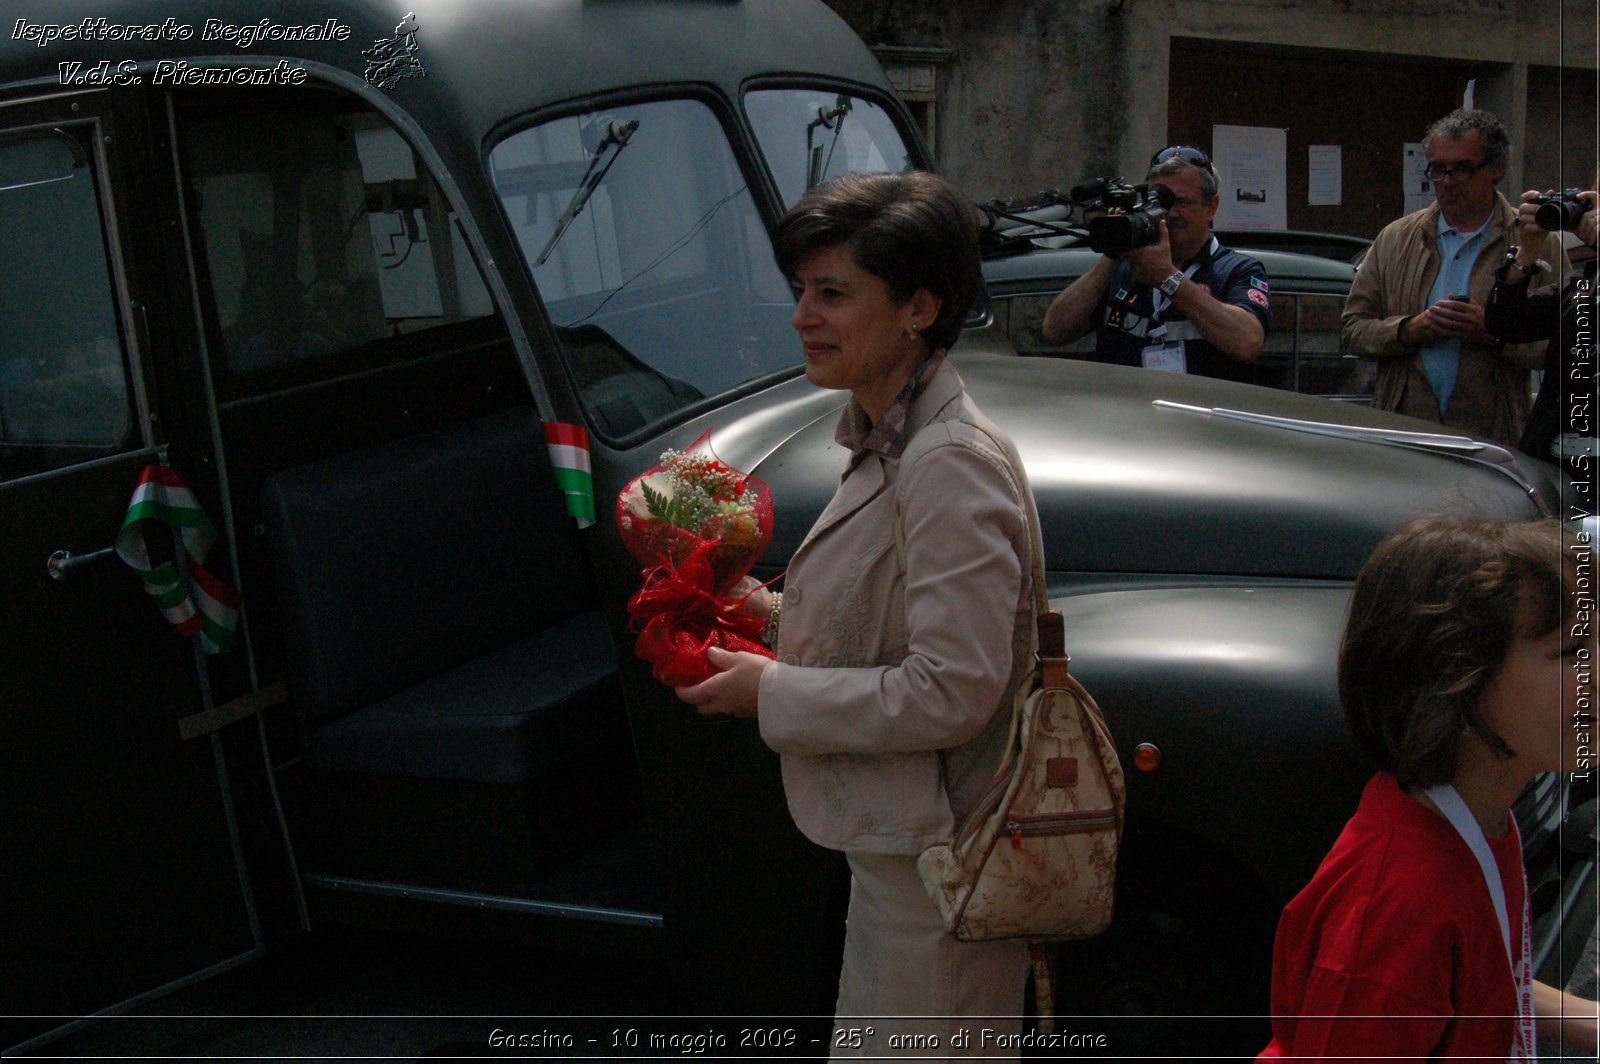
1147 757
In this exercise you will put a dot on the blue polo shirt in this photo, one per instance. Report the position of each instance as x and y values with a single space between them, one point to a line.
1132 316
1457 253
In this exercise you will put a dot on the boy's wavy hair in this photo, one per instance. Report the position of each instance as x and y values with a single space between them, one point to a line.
913 230
1434 613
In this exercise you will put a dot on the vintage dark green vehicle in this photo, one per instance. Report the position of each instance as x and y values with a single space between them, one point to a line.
338 267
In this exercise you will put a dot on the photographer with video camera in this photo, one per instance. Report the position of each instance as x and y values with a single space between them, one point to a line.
1180 302
1562 423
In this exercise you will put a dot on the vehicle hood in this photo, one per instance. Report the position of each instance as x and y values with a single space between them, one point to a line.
1126 487
1052 267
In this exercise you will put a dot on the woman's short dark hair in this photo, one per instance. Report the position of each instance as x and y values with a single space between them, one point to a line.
913 230
1434 613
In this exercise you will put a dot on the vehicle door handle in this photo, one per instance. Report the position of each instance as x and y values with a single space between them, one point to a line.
63 563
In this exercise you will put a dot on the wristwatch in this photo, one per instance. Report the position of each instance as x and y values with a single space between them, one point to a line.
1169 287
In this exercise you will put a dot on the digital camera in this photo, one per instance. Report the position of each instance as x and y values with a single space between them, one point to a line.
1560 211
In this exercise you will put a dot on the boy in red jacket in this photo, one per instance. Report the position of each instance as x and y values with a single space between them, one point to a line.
1464 672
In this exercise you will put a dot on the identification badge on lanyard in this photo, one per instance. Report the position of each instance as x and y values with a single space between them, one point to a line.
1455 810
1168 357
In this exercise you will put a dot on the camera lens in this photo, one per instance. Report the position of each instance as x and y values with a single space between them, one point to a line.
1559 213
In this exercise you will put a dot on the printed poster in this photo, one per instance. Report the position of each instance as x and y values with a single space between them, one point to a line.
1325 176
1252 163
1415 183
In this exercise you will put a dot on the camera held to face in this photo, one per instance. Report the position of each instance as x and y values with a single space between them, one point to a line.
1139 224
1561 211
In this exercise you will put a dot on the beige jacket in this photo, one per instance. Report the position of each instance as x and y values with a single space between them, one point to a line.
892 665
1490 398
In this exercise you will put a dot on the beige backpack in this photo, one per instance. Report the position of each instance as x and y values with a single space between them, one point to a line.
1037 858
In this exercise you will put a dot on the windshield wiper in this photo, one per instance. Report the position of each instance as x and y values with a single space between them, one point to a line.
831 119
1489 455
605 153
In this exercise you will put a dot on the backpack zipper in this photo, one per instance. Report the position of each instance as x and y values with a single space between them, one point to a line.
980 812
1058 824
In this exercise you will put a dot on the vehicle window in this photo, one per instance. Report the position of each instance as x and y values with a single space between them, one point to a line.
321 233
1022 318
653 263
1306 348
64 385
810 135
1304 351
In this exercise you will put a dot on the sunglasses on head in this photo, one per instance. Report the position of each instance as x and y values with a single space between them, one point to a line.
1182 151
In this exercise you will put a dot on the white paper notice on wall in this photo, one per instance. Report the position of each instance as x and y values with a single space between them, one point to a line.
1251 163
1418 189
1325 187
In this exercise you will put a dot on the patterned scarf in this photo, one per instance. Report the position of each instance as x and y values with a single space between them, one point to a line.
858 434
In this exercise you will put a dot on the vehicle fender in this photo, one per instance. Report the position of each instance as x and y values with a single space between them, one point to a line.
1236 686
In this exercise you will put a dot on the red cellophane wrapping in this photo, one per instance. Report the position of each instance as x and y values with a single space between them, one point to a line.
698 526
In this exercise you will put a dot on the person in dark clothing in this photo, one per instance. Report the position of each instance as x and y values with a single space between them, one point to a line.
1562 423
1184 304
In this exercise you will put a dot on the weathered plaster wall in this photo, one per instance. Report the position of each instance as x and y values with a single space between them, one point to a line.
1040 93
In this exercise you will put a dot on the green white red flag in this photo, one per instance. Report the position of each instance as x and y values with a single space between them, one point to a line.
569 454
194 602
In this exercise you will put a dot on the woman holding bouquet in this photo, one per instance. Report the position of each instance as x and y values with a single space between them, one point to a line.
907 622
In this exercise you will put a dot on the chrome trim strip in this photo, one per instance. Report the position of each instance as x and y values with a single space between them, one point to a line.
235 840
135 325
52 97
495 902
148 453
1573 886
134 1002
1489 455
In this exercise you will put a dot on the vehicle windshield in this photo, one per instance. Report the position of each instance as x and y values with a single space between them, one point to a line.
809 135
663 286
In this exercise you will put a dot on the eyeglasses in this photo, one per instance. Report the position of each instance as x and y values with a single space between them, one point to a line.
1458 172
1184 152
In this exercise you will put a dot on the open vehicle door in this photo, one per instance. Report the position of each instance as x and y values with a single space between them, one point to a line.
93 681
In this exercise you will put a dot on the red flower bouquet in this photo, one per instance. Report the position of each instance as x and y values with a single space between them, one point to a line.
698 525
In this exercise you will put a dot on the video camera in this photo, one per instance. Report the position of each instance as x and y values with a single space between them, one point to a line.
1142 207
1560 211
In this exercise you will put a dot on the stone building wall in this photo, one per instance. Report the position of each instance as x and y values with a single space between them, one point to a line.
1022 95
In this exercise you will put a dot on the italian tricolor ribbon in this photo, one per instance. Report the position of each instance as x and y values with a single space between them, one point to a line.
569 454
194 602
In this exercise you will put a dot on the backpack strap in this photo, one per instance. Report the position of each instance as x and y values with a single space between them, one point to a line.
1052 627
1043 955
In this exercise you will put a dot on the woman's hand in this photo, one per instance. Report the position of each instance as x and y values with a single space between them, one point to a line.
757 597
731 692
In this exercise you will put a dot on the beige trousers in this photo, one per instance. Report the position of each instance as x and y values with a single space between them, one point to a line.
924 995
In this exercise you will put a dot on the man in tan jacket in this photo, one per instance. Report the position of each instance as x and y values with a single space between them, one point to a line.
1417 302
